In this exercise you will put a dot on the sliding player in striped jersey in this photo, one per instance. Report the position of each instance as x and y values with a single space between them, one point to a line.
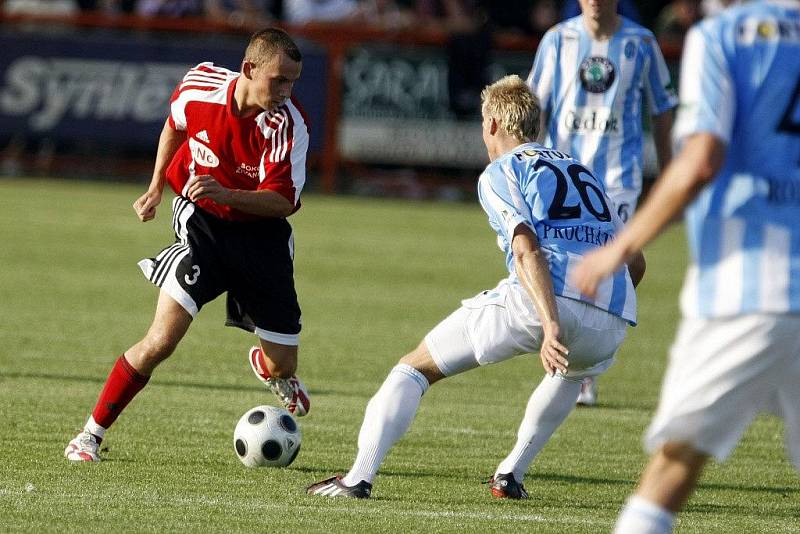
737 352
547 210
233 149
595 74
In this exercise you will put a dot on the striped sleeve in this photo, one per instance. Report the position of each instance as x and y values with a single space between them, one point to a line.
659 88
707 96
503 201
283 162
195 85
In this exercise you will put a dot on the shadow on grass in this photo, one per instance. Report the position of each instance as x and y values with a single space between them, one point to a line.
738 509
156 382
783 491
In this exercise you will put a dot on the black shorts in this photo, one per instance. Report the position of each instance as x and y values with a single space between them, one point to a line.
251 260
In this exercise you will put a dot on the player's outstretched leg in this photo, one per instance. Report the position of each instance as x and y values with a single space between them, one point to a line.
549 404
389 414
290 391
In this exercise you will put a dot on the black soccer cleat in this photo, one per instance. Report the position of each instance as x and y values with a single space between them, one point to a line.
334 487
505 486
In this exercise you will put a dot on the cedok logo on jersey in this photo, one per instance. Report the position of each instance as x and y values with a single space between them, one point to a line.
202 155
591 120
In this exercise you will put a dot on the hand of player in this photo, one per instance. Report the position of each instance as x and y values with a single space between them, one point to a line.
205 186
552 353
595 267
145 205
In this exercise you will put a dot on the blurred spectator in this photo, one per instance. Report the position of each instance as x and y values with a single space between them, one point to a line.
626 8
459 16
170 8
39 7
468 47
249 14
386 14
675 20
302 11
522 16
544 15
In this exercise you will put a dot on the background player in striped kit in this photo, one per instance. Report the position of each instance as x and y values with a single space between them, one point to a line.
233 149
547 211
594 75
737 352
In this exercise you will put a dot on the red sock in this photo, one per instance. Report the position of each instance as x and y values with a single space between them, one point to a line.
123 383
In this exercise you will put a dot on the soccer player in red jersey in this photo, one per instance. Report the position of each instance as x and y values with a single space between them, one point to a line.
233 150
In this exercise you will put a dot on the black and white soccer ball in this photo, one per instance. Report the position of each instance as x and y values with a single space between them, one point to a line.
267 436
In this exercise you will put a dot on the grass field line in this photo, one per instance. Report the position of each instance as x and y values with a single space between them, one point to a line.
344 507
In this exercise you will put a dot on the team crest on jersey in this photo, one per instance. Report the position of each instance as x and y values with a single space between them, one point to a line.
202 155
597 74
630 50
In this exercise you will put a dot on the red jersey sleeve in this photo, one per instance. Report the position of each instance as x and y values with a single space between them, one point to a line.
204 77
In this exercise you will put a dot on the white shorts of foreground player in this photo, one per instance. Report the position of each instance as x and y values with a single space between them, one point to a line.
724 372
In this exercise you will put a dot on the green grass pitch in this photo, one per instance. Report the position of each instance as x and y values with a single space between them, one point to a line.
373 277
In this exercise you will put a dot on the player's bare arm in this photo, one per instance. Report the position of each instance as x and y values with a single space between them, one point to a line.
264 203
168 143
533 273
679 184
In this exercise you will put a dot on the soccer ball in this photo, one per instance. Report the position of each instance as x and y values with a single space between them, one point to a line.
266 436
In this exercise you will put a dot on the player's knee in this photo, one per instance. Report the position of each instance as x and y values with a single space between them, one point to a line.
157 347
682 452
421 360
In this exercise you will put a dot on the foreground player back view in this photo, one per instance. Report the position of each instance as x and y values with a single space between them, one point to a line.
737 352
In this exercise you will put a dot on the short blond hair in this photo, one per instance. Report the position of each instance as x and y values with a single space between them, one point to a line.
513 105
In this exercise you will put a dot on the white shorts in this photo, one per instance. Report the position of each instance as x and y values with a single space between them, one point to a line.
721 374
501 323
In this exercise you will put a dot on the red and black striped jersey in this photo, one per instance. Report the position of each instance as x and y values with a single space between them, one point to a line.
266 151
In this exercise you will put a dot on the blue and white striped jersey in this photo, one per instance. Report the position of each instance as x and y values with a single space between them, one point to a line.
740 80
566 206
593 93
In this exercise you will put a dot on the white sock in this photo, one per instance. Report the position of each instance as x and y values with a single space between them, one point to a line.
549 404
388 416
92 427
640 516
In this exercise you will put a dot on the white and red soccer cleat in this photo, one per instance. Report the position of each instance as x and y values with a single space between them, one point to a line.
83 448
290 391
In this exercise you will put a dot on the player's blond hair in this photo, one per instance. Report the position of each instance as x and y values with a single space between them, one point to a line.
264 44
516 109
